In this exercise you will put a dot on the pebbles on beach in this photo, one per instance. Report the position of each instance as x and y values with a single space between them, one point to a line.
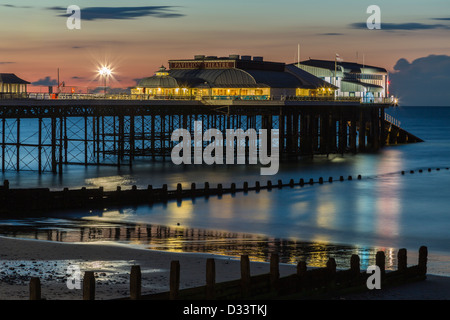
22 259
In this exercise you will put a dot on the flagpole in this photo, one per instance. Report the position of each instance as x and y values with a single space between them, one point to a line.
335 69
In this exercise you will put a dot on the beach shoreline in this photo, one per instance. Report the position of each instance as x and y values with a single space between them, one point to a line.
22 258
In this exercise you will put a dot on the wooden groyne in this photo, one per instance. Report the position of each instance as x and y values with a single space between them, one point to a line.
45 200
327 282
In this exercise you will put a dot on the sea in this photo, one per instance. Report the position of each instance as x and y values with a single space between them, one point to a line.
401 201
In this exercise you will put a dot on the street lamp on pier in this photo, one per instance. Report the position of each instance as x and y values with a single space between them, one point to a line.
105 72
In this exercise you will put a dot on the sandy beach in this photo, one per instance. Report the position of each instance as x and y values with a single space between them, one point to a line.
20 259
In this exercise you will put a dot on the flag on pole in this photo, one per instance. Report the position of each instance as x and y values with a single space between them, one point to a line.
338 58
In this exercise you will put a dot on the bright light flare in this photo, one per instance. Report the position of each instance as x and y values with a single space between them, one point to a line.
105 71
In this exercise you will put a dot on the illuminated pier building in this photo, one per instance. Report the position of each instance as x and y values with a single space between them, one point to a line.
233 77
12 84
352 79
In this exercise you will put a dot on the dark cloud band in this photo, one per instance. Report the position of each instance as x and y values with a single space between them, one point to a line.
402 26
122 13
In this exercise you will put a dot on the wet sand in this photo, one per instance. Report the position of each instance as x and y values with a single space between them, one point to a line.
21 259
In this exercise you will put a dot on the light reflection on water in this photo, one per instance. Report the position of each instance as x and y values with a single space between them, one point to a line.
177 239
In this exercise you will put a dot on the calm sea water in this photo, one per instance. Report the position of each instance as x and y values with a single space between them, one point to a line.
385 210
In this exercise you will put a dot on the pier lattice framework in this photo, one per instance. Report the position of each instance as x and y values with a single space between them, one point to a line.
45 135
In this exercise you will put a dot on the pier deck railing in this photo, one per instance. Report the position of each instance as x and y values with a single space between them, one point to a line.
392 120
124 96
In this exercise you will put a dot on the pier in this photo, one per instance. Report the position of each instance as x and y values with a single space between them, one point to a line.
43 135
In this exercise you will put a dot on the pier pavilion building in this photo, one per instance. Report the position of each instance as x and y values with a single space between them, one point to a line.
12 84
234 77
352 79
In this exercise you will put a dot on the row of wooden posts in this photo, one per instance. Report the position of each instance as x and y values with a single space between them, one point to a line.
305 283
42 199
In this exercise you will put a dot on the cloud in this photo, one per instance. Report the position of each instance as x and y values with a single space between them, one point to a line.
422 82
122 13
47 81
402 26
6 62
331 34
13 6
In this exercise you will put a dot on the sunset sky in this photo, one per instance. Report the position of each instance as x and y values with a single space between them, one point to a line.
137 36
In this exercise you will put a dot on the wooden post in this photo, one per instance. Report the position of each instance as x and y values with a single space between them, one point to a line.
402 260
35 289
301 274
193 189
380 261
164 192
301 268
89 286
206 188
423 258
174 279
331 267
179 190
274 271
245 276
355 264
135 283
245 186
210 278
